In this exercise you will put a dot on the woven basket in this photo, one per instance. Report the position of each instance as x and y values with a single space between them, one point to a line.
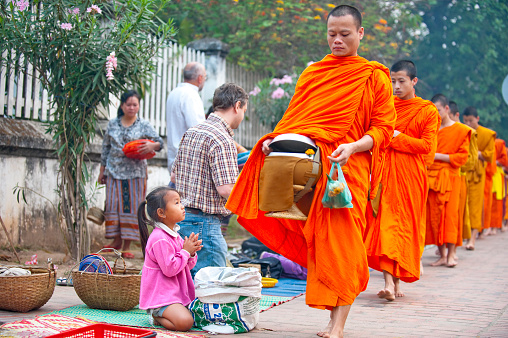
119 291
26 293
95 215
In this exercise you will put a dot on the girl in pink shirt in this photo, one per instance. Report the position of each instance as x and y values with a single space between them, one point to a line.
166 283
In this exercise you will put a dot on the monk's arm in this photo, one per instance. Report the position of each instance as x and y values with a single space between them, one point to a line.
428 140
459 158
345 150
490 149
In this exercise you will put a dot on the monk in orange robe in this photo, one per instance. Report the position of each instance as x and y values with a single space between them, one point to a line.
395 236
476 177
498 187
472 158
444 184
345 104
490 171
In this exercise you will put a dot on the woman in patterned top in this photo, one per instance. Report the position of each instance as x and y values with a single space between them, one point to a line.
125 178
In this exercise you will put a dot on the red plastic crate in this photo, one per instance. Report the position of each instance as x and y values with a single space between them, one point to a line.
106 331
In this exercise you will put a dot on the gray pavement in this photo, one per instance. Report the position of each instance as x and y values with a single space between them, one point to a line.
470 300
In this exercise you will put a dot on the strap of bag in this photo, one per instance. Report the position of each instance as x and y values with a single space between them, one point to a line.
310 182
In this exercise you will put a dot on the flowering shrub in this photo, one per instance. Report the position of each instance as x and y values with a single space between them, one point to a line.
270 98
76 46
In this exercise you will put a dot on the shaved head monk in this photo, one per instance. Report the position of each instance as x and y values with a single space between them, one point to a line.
344 104
395 236
472 158
476 177
498 187
444 184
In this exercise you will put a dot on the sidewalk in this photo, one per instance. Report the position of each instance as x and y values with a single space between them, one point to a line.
470 300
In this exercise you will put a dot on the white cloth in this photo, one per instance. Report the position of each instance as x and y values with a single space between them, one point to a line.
184 110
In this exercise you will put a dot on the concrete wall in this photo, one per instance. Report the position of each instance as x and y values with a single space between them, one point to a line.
27 159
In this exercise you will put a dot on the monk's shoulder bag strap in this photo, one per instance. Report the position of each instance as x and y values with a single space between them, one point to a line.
316 164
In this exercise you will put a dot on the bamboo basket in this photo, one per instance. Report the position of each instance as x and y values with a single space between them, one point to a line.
119 291
26 293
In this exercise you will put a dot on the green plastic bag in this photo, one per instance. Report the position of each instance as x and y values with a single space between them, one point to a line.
337 193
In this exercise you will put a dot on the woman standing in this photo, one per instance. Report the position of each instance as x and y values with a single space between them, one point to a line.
125 178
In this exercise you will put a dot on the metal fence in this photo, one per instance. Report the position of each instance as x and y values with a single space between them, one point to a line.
22 96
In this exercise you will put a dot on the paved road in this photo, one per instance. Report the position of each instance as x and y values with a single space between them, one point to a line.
470 300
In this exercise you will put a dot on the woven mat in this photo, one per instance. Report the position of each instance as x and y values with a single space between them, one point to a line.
137 317
286 287
52 323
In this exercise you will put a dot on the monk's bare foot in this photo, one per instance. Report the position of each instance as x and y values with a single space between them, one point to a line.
398 290
386 294
326 331
493 232
455 257
451 263
439 262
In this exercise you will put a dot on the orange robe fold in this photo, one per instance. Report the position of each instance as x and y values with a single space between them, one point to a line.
395 237
337 100
444 185
498 188
476 177
464 220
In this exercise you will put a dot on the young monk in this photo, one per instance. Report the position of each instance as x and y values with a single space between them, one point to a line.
476 177
344 103
395 236
498 187
472 158
444 184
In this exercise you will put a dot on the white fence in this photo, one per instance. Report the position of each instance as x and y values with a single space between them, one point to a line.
22 96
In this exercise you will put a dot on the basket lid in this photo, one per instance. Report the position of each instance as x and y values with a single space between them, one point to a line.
292 143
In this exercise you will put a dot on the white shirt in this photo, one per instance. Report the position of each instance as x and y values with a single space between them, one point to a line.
184 110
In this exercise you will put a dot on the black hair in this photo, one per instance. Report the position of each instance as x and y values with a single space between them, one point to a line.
210 110
441 99
227 95
470 111
154 201
343 10
454 108
406 65
125 96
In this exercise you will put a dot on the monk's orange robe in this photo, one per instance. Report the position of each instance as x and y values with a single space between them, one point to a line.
498 187
444 185
464 220
395 237
476 177
337 100
490 171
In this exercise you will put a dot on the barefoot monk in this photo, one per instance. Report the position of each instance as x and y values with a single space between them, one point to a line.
344 104
395 235
476 177
444 184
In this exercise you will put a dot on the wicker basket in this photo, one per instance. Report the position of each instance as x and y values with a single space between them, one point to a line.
95 215
26 293
119 291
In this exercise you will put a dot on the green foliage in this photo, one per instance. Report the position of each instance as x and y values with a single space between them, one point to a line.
277 36
464 57
72 67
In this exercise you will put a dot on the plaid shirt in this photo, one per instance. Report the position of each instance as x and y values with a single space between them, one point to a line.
206 159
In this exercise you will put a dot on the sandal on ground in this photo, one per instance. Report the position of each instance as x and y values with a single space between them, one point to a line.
128 255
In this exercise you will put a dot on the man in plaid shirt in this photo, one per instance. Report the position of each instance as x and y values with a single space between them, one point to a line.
205 171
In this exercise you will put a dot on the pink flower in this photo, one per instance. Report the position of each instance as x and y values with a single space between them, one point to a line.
286 79
111 63
74 11
255 92
94 9
22 5
66 26
278 93
275 81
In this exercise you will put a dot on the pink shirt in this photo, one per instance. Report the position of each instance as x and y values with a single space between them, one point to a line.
166 277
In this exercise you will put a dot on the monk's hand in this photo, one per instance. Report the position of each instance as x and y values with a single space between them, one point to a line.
342 153
395 133
266 146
